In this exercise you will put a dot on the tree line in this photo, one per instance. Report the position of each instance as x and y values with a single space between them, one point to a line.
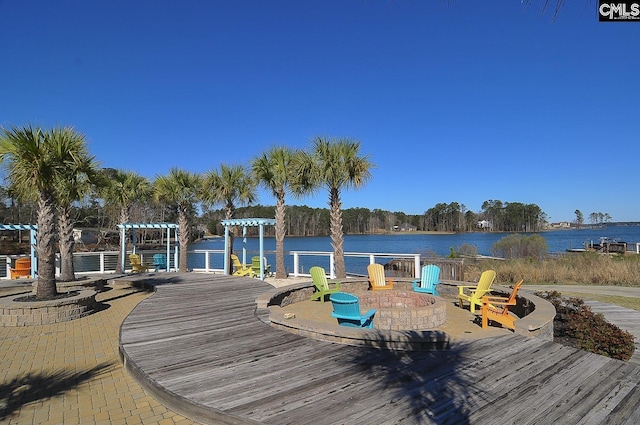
301 220
595 218
453 217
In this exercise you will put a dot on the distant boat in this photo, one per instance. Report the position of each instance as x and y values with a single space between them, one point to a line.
606 245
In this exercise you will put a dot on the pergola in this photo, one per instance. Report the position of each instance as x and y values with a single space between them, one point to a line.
134 226
33 230
246 222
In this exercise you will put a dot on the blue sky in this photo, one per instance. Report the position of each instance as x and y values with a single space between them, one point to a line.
459 101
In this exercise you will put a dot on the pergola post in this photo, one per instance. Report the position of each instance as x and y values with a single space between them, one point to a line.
226 250
261 251
169 250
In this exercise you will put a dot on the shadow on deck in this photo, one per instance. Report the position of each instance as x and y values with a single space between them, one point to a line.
202 347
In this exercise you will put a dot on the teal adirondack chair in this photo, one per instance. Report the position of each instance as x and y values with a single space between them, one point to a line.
319 278
430 279
346 308
160 262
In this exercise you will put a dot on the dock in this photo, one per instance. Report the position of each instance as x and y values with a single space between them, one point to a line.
202 347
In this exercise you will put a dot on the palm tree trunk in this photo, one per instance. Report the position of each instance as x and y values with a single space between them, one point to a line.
183 239
46 248
65 230
337 238
281 272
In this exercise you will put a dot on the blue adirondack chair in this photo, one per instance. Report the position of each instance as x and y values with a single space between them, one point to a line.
346 308
429 281
160 262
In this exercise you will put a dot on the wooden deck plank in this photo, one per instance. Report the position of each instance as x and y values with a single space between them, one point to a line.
201 340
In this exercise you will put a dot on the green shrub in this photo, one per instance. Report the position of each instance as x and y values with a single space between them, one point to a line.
577 325
519 246
467 250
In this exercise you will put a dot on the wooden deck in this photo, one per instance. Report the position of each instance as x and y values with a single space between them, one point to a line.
201 347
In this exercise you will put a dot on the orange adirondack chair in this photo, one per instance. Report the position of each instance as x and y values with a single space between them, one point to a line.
377 279
491 311
22 268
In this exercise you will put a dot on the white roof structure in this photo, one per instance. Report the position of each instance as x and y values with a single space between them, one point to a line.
134 226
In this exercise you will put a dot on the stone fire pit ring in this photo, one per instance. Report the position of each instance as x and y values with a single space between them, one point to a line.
404 310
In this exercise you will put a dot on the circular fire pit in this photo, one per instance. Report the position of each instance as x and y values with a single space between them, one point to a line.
404 310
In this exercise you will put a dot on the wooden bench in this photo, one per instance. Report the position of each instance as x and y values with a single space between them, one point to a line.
22 268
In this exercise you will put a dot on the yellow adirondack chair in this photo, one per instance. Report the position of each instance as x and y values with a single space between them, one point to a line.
239 268
490 311
136 264
319 278
473 294
377 279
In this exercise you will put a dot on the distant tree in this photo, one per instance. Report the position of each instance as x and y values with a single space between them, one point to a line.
274 170
231 186
493 211
180 191
73 182
336 165
579 218
471 220
445 217
123 189
599 218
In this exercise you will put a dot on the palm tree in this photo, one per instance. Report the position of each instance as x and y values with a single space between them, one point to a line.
232 185
123 189
180 189
273 170
335 165
32 170
73 182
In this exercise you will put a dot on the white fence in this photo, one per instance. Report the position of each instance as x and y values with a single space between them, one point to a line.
211 261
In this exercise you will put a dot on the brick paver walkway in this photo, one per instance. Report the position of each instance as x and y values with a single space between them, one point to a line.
70 373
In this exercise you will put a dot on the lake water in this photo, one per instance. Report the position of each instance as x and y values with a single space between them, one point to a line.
409 243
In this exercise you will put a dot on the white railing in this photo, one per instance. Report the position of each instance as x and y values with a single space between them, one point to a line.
370 255
89 263
212 261
211 256
207 261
